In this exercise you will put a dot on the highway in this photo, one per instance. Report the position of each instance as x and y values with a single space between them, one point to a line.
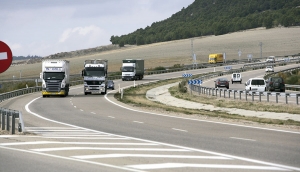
96 132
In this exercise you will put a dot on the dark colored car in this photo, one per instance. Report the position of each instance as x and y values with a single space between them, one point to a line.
222 82
275 84
110 84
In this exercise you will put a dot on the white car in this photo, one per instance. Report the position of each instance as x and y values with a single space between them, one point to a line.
269 69
236 77
256 84
270 59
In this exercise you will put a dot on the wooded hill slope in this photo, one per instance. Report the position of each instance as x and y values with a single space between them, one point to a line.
216 17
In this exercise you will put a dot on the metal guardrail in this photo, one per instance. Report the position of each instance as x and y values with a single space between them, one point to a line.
8 120
222 93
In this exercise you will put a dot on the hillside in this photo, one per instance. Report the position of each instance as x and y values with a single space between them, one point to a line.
216 17
276 41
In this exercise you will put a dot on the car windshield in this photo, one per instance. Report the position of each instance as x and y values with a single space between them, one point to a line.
110 82
257 82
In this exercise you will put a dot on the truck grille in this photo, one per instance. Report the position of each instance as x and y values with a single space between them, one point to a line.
53 86
93 82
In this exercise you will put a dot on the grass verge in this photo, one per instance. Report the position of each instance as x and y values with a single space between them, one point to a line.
136 96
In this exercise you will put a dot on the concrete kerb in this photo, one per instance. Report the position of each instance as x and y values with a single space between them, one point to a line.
162 95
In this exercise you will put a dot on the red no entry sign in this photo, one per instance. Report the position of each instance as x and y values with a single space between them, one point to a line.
5 57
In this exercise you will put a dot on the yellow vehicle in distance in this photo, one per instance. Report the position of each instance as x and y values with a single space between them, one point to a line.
215 58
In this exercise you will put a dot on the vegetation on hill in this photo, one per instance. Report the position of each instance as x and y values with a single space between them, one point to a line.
216 17
26 57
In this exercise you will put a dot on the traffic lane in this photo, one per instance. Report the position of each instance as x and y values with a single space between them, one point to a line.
13 159
270 146
245 77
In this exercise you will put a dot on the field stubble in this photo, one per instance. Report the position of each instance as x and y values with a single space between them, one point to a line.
276 41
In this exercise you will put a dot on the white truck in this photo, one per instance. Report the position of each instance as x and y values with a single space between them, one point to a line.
55 77
95 76
132 69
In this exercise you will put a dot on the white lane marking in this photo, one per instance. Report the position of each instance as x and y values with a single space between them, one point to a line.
119 149
49 128
182 165
110 116
139 122
88 138
81 110
179 130
165 144
149 156
200 120
54 130
242 139
11 136
72 159
74 143
93 113
74 106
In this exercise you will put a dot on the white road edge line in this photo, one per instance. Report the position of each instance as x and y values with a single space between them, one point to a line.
110 116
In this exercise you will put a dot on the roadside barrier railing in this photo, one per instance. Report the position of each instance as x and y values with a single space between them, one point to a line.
243 94
8 121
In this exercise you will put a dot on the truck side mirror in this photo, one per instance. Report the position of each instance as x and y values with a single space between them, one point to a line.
82 73
41 75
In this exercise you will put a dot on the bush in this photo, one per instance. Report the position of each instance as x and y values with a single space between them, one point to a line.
182 86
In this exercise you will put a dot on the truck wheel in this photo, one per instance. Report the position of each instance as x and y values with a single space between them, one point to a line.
85 93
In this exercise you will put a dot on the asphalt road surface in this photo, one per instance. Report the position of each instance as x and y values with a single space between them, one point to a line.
97 133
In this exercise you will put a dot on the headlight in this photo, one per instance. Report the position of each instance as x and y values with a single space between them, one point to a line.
63 85
44 85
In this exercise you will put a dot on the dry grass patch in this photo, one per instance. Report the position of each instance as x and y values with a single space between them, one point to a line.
137 97
230 103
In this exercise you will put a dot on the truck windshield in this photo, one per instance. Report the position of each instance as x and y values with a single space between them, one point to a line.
212 59
127 69
54 75
94 71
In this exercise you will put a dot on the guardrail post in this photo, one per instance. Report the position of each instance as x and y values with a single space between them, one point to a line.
297 100
224 93
2 115
252 94
246 93
268 96
240 93
220 92
13 125
286 97
277 97
234 91
7 121
260 96
229 93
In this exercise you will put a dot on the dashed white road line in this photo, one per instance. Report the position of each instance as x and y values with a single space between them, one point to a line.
139 122
81 110
110 116
243 139
179 130
93 113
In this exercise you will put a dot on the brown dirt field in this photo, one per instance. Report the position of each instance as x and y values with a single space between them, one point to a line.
276 41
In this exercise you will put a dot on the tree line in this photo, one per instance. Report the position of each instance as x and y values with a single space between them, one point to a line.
216 17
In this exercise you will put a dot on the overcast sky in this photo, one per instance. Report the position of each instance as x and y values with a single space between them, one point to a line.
45 27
